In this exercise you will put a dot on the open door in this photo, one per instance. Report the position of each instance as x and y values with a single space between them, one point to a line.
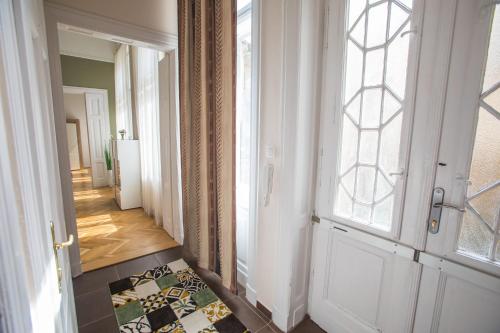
39 257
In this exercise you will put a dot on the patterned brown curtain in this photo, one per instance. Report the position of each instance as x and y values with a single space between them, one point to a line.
207 46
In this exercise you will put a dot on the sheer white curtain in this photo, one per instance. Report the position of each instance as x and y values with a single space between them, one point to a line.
148 124
123 93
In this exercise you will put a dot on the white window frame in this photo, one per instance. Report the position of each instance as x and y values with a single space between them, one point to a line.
331 123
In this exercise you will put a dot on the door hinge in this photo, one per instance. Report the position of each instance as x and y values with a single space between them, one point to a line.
416 255
315 218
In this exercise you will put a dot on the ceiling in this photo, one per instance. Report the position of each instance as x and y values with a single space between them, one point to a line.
83 44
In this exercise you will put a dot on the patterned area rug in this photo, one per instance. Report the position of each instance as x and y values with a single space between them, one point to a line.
170 298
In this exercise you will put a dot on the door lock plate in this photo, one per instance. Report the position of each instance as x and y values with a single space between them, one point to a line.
436 209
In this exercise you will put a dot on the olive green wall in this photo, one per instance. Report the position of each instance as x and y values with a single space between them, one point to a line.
88 73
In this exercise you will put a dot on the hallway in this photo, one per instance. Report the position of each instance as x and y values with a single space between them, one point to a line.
108 235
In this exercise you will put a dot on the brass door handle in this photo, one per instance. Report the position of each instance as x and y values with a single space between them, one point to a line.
67 243
59 246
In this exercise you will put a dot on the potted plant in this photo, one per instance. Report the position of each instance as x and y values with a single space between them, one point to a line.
109 167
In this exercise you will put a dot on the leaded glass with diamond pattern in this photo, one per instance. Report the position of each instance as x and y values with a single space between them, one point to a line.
480 229
374 87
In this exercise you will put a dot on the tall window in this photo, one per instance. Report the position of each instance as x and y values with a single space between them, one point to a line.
370 166
243 127
148 124
123 93
480 230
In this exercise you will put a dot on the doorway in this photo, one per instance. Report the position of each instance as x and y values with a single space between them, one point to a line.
129 165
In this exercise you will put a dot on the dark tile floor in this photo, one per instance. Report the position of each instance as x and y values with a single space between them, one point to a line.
94 309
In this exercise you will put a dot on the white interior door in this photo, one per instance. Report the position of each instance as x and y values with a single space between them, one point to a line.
33 172
460 288
99 135
365 279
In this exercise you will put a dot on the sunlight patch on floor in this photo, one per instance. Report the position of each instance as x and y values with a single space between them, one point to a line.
108 235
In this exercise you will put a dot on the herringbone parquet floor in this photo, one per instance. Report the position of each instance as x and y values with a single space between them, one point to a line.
108 235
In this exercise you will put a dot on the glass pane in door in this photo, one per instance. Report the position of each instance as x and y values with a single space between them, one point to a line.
479 234
374 89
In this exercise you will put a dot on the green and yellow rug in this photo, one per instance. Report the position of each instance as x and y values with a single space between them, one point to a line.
170 298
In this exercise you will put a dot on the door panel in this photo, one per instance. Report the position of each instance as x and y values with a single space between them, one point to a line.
98 127
454 298
361 283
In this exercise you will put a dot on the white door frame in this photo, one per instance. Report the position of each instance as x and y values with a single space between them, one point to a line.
104 93
106 28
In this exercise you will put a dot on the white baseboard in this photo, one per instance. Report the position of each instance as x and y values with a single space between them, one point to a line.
242 273
298 314
281 320
251 294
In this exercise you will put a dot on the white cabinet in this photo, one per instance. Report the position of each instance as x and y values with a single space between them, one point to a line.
127 168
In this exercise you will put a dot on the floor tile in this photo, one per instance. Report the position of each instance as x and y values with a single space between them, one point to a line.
106 325
275 328
307 326
138 265
93 306
95 310
245 314
266 315
164 257
94 280
266 329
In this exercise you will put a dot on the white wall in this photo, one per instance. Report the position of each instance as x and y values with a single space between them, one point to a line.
78 45
74 107
159 15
